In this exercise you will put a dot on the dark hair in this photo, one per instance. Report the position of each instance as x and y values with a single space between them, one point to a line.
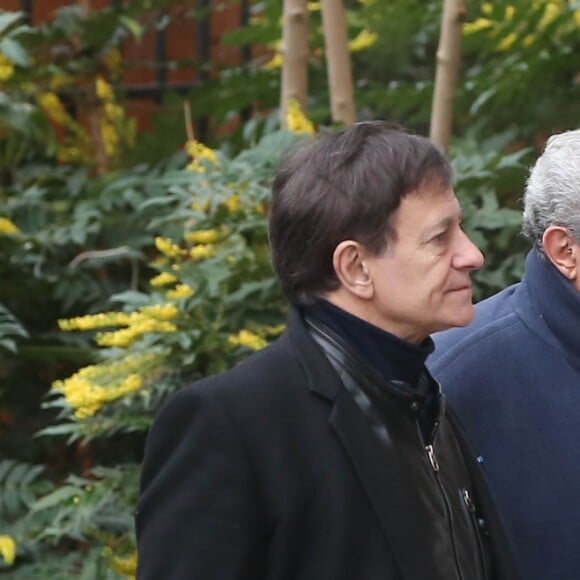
343 186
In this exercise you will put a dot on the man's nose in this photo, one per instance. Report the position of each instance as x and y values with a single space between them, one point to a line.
468 256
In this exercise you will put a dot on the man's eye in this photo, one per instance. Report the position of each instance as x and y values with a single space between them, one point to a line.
439 238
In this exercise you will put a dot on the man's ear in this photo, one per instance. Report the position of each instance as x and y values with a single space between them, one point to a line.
561 250
351 269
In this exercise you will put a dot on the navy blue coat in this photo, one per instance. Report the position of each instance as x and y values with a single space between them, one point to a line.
513 377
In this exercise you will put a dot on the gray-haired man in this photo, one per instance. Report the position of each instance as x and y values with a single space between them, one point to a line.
514 375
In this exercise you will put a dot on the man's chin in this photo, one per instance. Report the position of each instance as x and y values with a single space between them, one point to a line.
465 320
459 321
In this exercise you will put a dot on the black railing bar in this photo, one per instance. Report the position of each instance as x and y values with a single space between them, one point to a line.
26 7
160 49
203 56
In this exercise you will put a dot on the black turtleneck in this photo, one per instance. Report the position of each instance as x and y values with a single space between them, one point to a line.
390 356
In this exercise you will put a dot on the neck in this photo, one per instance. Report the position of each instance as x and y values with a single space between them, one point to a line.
389 355
363 310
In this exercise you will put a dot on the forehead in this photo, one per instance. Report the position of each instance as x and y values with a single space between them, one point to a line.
425 209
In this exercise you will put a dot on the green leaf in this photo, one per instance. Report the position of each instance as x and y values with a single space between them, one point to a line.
14 51
61 495
132 26
9 19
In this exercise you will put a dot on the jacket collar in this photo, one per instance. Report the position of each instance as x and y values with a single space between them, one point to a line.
321 377
555 306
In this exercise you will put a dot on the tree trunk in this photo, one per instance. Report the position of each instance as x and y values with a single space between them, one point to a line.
448 59
338 62
294 52
94 115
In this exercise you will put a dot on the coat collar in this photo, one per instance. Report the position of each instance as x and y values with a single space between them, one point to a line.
322 379
553 311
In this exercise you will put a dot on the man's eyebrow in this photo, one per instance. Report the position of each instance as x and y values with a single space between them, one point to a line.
442 224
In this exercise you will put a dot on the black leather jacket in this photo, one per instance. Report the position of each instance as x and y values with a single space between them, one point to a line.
447 514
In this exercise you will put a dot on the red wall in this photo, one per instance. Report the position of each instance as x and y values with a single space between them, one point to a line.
180 44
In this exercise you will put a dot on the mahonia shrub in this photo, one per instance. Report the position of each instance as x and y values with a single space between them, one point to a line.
210 300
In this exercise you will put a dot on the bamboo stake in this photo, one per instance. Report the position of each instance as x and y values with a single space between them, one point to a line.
294 50
338 62
448 59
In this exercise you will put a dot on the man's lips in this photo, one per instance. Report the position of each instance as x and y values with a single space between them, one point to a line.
460 288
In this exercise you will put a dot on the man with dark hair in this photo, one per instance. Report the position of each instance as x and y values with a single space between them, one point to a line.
329 455
513 376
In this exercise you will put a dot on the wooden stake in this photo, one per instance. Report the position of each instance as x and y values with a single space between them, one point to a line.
94 115
448 60
338 62
294 50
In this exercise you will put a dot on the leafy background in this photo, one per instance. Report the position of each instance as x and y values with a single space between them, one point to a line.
125 277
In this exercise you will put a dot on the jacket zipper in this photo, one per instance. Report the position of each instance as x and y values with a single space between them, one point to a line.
471 509
435 466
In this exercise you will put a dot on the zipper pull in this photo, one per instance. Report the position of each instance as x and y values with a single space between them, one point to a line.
432 458
467 500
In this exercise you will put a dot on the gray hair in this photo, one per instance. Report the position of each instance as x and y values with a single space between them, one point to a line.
552 196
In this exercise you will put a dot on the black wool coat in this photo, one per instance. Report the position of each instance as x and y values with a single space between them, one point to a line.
270 472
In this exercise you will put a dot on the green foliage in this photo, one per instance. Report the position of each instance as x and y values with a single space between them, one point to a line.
10 329
488 184
169 247
203 227
522 67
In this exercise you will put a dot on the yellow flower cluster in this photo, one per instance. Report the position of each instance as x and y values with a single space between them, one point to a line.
180 291
200 155
95 385
168 248
60 80
202 207
8 227
125 566
104 90
163 279
115 128
248 339
92 321
8 549
275 62
202 251
70 154
87 398
551 10
113 59
233 203
477 25
296 120
273 330
362 41
6 68
54 109
148 319
140 326
77 143
203 236
507 42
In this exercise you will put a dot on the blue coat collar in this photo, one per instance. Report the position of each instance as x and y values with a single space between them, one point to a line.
555 304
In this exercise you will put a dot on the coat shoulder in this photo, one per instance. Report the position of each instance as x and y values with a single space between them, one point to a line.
496 323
